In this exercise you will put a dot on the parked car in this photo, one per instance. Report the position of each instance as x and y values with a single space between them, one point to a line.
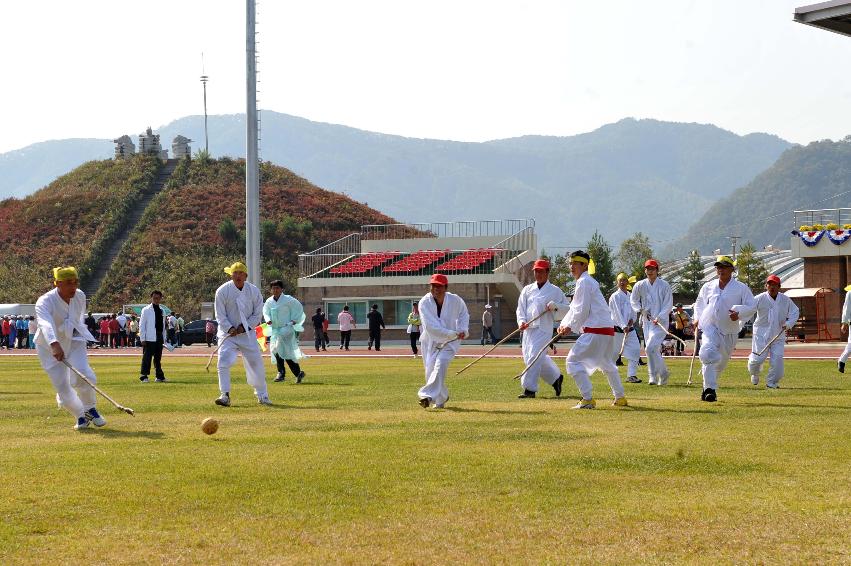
194 332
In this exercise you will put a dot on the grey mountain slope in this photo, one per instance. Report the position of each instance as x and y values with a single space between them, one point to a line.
23 171
633 175
803 178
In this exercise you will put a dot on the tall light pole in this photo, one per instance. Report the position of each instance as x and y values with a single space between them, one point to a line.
204 79
252 173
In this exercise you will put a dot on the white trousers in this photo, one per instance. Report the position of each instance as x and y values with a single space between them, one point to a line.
847 350
534 339
436 363
775 354
593 352
252 360
631 351
72 393
653 337
715 352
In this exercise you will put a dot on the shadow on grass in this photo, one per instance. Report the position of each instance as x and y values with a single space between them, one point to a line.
797 406
495 412
118 433
21 393
661 410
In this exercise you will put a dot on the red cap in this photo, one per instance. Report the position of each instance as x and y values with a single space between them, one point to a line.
651 263
772 279
541 264
439 279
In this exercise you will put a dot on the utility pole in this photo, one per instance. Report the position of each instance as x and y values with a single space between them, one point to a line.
252 173
734 239
204 79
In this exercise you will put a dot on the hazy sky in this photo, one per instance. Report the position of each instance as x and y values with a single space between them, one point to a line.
461 69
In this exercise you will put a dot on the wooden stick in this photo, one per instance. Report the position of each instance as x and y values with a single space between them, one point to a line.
693 354
501 342
668 332
538 355
442 345
623 343
779 334
127 410
207 367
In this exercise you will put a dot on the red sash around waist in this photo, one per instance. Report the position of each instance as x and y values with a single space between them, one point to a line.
606 331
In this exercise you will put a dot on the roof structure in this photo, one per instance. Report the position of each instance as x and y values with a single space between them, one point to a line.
779 262
833 16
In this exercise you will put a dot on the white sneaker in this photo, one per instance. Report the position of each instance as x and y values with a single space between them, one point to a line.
585 404
772 385
652 381
264 400
82 423
755 380
663 380
223 400
94 417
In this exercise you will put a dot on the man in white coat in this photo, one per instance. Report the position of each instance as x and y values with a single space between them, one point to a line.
720 304
775 312
61 337
239 309
594 349
535 309
445 322
846 320
624 319
653 300
285 316
152 333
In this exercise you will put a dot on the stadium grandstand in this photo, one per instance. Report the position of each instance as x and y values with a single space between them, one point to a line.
487 262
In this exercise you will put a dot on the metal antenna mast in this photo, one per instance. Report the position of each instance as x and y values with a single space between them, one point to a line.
204 79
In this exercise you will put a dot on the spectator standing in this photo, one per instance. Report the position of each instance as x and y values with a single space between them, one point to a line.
487 326
32 327
152 334
325 324
133 331
13 332
681 322
92 326
376 323
414 324
23 333
179 325
318 320
171 327
210 331
347 323
4 329
104 331
114 329
122 330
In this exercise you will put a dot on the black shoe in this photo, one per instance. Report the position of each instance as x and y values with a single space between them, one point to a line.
369 347
526 394
424 402
160 379
619 361
279 378
708 395
641 362
299 377
378 349
143 378
841 367
557 385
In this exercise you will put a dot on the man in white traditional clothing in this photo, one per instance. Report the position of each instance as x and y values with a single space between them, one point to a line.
846 320
624 319
285 317
535 309
239 309
775 313
594 349
61 337
653 300
720 305
445 322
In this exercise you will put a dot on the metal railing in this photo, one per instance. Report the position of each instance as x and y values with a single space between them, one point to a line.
838 216
328 255
467 228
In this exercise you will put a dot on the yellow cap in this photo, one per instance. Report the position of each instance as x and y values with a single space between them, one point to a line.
238 266
724 261
64 273
848 288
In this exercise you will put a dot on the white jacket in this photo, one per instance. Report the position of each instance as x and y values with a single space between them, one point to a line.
148 325
714 304
453 319
59 321
588 309
235 307
533 301
654 300
771 316
621 309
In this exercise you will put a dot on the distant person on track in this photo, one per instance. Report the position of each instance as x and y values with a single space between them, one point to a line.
152 335
414 325
846 320
445 322
285 316
681 323
239 309
32 328
720 305
487 327
653 300
318 321
209 332
347 323
62 336
376 324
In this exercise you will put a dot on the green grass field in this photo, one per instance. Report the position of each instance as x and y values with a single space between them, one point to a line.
347 468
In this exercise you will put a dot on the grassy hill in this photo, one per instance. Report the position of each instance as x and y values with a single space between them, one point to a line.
69 222
815 176
183 240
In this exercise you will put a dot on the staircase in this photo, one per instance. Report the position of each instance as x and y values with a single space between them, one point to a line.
91 286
